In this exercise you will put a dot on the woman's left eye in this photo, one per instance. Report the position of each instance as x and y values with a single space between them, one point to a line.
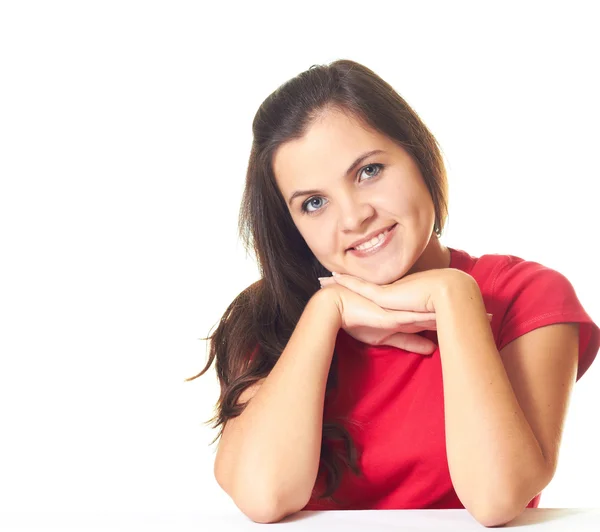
376 166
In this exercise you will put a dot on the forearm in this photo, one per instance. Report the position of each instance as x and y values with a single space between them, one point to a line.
273 447
493 455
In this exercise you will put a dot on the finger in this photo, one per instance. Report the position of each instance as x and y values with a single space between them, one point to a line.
398 319
406 317
427 325
424 319
326 281
431 325
372 291
412 343
402 294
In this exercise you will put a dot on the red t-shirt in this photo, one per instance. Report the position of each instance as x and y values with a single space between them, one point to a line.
395 400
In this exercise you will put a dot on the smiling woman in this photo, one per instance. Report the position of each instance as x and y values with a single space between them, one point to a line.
389 387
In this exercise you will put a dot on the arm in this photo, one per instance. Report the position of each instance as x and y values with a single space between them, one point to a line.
268 457
497 462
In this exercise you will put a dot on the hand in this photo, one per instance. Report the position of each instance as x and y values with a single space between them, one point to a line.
366 321
414 294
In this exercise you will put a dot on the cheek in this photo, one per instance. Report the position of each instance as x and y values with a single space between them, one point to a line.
320 238
408 200
396 201
321 243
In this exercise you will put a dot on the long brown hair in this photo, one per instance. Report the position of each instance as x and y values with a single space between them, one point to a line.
257 325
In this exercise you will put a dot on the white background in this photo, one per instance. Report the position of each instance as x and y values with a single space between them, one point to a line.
125 130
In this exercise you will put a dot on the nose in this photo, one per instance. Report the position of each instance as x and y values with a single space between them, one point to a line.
354 213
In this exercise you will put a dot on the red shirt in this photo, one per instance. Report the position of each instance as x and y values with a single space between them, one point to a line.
395 400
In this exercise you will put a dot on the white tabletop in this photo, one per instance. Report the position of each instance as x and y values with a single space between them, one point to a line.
538 519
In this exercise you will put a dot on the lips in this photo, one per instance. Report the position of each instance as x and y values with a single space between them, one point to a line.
371 236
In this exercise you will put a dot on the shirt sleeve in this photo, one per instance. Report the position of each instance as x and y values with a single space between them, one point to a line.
532 296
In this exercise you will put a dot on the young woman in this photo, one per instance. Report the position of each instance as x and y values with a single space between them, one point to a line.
419 376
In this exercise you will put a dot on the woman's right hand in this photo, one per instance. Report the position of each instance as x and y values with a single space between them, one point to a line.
367 322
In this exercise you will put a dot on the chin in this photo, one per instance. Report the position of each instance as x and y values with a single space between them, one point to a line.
383 278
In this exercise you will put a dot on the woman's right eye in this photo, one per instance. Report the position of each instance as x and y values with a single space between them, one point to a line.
311 202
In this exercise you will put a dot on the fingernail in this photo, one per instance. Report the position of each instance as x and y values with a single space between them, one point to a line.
325 281
334 273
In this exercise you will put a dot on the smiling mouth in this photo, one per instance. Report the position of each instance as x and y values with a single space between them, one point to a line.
374 242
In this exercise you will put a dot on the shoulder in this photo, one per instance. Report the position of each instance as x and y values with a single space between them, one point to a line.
483 268
524 295
522 288
506 273
514 276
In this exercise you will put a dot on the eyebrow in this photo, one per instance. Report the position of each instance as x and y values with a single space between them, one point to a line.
359 160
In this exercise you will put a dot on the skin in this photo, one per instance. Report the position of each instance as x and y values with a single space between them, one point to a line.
369 198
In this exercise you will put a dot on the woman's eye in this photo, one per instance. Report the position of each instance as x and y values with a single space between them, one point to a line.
312 202
374 168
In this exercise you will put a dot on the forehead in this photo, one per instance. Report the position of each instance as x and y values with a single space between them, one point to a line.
331 143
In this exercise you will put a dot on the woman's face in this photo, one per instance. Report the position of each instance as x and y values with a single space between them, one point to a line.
347 203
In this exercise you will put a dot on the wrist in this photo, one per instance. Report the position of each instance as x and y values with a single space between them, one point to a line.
326 301
454 282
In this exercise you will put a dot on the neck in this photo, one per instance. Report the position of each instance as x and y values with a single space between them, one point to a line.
435 256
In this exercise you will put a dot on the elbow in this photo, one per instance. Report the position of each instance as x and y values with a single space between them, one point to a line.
264 509
496 512
494 517
261 511
259 505
259 500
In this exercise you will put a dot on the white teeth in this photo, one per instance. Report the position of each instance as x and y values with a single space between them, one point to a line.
373 242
